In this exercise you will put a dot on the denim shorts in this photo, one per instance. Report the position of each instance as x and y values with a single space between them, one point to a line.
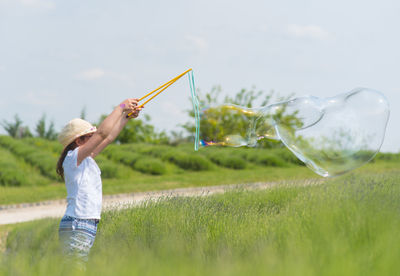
77 235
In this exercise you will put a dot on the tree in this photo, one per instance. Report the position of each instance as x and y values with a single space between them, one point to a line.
83 113
140 131
236 122
16 129
42 132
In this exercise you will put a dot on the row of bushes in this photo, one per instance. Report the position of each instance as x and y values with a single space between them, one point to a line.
119 160
185 158
181 158
114 164
49 145
142 163
17 173
40 159
109 169
10 171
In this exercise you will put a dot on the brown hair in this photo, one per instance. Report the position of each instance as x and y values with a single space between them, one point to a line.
60 169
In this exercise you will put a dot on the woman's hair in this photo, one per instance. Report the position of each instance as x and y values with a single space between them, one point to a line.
60 169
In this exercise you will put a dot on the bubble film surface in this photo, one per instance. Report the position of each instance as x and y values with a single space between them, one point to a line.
331 136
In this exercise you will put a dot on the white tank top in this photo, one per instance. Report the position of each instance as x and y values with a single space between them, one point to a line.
84 187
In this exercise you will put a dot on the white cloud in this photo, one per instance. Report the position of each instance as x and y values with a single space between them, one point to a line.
40 98
98 73
308 31
2 68
91 74
198 42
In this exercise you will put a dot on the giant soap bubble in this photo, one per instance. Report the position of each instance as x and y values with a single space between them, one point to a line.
331 136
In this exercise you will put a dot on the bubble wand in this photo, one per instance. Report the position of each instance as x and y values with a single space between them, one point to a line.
162 87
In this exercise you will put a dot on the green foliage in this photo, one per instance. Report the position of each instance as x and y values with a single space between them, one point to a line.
141 131
45 162
16 129
287 156
110 169
224 159
183 159
387 156
347 226
42 143
126 157
265 158
15 172
117 161
194 162
43 132
10 173
83 113
222 123
150 165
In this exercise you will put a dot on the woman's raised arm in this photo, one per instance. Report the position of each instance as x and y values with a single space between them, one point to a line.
114 120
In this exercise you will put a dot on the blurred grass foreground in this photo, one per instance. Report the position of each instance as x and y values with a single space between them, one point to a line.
346 226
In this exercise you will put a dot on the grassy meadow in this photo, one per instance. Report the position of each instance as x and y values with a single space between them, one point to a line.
345 226
28 168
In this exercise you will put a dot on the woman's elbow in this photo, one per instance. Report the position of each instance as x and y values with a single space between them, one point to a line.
102 134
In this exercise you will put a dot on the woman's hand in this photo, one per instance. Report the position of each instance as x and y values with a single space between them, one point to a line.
135 112
129 105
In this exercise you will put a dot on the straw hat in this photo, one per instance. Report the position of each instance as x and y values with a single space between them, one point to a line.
74 129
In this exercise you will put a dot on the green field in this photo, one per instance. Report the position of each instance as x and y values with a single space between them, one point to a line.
28 168
345 226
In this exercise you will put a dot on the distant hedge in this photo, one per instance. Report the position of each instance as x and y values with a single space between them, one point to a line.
150 165
13 172
44 161
118 161
187 161
227 160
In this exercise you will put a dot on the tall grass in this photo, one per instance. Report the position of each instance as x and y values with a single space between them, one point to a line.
348 226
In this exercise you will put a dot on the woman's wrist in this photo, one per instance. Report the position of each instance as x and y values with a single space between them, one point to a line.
121 107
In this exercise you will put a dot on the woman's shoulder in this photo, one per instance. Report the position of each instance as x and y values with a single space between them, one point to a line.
71 157
73 153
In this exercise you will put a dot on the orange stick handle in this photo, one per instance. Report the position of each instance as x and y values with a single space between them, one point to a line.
162 87
157 94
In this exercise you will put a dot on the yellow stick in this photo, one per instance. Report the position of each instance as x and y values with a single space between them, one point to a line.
169 84
164 86
173 80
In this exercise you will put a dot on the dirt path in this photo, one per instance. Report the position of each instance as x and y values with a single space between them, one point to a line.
10 214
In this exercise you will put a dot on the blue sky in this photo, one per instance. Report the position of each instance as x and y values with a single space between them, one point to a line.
57 57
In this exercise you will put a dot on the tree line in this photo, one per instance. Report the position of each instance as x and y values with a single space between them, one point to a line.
142 131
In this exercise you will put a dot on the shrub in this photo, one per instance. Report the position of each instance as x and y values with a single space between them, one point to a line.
15 173
42 143
156 151
44 161
11 176
263 157
125 157
227 160
269 159
194 161
110 169
395 157
150 165
287 156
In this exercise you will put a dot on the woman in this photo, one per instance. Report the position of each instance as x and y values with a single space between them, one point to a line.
82 142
